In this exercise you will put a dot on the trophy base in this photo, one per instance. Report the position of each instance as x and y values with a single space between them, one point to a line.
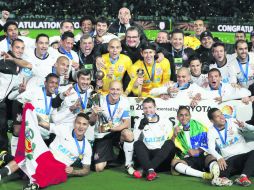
104 128
139 99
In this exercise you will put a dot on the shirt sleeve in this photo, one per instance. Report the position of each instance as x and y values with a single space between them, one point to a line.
233 93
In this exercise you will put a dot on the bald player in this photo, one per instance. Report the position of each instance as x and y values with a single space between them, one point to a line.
115 110
116 64
120 26
183 88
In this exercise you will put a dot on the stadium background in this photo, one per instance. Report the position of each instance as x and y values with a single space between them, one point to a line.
172 12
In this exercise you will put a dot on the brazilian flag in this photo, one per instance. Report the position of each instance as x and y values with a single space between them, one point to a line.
198 138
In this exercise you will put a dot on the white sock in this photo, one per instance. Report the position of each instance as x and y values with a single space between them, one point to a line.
9 169
211 165
14 144
128 152
187 170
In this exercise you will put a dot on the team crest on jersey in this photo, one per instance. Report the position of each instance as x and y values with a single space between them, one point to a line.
120 68
158 71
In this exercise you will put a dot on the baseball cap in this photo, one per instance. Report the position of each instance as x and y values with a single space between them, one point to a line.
206 34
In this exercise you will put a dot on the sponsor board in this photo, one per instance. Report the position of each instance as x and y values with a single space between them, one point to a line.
167 110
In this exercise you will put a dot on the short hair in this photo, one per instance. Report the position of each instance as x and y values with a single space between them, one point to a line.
184 69
149 100
87 17
84 115
217 44
51 75
240 42
134 28
114 40
62 23
16 40
176 31
210 113
102 19
66 35
164 31
41 35
241 32
193 58
83 72
85 36
8 23
183 108
214 70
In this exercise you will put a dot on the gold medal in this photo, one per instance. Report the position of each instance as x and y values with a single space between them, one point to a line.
80 157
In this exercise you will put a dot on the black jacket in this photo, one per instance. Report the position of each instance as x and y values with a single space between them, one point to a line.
206 57
117 27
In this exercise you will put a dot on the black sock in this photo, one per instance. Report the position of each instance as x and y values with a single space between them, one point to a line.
4 172
8 158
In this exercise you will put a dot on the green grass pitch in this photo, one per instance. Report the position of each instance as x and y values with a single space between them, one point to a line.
116 179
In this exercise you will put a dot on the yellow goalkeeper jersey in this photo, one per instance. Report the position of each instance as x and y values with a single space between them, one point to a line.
155 75
122 65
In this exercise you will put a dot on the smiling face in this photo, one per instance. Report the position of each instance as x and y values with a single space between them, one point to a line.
218 119
67 27
51 85
199 27
148 55
42 45
18 48
177 41
214 79
219 54
124 15
149 108
183 76
67 43
184 116
86 26
195 67
115 91
80 126
242 50
84 81
207 42
62 66
101 28
114 48
132 38
162 37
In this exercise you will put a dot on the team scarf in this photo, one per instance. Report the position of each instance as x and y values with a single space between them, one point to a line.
198 138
